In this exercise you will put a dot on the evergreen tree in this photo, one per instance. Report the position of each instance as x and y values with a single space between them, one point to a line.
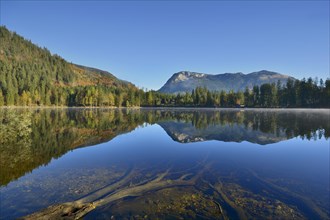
2 99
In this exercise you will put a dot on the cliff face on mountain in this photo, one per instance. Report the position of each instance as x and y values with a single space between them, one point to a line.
187 81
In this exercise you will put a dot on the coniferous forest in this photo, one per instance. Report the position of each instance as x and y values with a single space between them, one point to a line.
32 76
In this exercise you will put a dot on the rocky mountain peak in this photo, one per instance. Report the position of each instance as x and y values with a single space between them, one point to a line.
186 81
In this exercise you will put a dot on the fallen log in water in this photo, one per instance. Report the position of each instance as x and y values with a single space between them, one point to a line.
111 193
69 210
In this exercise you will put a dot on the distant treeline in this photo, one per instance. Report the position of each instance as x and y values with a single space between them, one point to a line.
295 94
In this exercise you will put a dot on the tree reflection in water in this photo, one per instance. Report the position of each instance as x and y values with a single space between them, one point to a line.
31 138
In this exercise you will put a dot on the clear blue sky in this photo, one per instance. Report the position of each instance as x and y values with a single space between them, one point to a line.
146 42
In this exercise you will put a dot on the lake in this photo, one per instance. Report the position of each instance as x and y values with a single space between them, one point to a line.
165 163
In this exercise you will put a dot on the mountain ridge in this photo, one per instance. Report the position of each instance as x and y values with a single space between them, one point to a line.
186 81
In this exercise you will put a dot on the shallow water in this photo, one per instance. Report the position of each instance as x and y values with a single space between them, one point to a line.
152 163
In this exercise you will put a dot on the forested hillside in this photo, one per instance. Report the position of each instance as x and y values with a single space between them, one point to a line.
30 75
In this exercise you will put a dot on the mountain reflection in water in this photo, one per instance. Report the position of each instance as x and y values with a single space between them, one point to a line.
30 138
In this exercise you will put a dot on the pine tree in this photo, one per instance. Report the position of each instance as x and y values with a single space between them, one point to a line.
2 99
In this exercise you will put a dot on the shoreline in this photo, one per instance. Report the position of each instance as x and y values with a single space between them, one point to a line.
162 108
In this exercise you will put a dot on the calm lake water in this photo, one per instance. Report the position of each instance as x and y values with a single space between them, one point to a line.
167 164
